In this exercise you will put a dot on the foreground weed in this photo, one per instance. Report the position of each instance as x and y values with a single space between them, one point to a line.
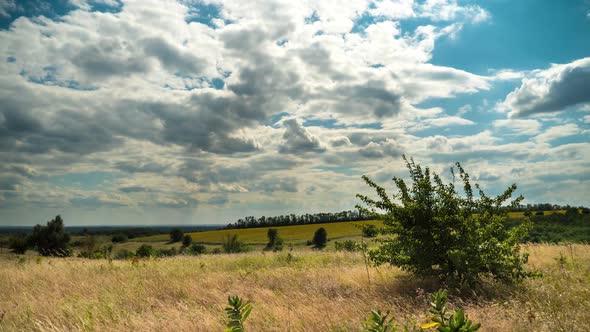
237 313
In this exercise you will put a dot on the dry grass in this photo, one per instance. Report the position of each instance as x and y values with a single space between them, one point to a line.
311 292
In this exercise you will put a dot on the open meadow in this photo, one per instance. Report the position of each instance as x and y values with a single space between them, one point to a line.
290 291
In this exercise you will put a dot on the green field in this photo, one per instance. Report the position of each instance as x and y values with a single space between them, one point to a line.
298 234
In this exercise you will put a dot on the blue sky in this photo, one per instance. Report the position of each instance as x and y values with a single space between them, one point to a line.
190 111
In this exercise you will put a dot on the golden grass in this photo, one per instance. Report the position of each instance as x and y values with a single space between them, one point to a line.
313 291
292 234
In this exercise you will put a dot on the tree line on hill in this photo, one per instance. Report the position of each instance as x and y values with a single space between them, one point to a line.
303 219
327 217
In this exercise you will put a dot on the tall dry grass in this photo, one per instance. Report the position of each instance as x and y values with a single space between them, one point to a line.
307 292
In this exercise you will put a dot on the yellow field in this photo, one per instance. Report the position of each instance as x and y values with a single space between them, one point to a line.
296 291
292 234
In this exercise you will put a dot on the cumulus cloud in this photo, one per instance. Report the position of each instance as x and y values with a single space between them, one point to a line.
297 140
551 90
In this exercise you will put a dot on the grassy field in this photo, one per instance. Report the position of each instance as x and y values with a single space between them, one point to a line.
298 291
297 234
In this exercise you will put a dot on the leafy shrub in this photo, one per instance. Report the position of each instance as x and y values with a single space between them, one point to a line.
440 319
437 232
320 238
145 250
176 235
378 322
19 244
119 238
163 252
539 213
187 240
51 240
196 249
232 244
123 254
275 243
237 313
348 245
370 231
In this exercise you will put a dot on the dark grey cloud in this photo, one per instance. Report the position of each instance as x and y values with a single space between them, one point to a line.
298 140
218 200
140 167
319 58
172 58
388 148
135 189
110 57
9 183
287 184
372 96
568 87
341 141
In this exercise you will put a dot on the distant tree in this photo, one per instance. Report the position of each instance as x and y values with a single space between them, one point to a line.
19 244
275 243
187 240
176 234
528 213
51 240
119 238
320 238
145 250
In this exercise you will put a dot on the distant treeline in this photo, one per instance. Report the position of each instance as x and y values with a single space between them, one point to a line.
303 219
571 226
548 207
327 217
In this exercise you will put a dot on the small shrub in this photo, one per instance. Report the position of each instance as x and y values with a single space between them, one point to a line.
370 231
176 235
320 238
123 254
145 250
51 239
187 240
166 252
275 243
539 213
196 249
119 238
232 244
437 232
237 313
378 322
19 244
348 245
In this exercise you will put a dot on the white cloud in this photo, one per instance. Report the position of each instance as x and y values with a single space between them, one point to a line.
520 126
556 132
552 90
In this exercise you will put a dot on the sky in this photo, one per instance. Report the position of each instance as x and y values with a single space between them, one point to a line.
119 112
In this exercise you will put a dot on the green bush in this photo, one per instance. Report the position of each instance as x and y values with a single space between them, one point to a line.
19 244
119 238
176 235
440 319
437 232
145 250
187 240
123 254
320 238
196 249
51 240
232 244
275 243
370 231
166 252
348 245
